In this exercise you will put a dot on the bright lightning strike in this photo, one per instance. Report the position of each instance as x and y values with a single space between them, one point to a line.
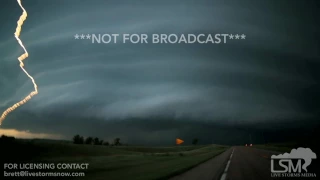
22 18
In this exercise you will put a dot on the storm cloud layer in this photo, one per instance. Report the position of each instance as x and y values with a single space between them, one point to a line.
270 77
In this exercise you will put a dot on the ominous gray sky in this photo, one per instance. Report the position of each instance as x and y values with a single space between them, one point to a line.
147 92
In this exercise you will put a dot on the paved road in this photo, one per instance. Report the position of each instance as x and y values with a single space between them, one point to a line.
237 163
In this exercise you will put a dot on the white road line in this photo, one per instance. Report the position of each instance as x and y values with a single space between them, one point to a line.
224 175
227 167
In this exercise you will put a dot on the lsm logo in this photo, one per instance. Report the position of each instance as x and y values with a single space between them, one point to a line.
291 164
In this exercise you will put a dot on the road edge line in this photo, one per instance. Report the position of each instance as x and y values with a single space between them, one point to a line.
224 175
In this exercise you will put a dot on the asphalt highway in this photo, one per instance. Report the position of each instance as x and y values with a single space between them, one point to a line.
236 163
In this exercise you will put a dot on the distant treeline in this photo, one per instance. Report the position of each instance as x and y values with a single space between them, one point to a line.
6 139
77 139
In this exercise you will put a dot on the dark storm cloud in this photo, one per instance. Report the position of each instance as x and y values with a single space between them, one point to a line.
269 77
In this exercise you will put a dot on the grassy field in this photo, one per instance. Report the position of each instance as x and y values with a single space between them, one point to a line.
278 147
121 163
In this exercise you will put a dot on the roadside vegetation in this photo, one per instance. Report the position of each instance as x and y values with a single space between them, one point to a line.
111 162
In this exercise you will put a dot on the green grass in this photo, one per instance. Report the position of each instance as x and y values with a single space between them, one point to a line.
279 147
159 149
127 162
143 166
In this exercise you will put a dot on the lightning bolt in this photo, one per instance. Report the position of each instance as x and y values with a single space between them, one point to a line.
22 18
